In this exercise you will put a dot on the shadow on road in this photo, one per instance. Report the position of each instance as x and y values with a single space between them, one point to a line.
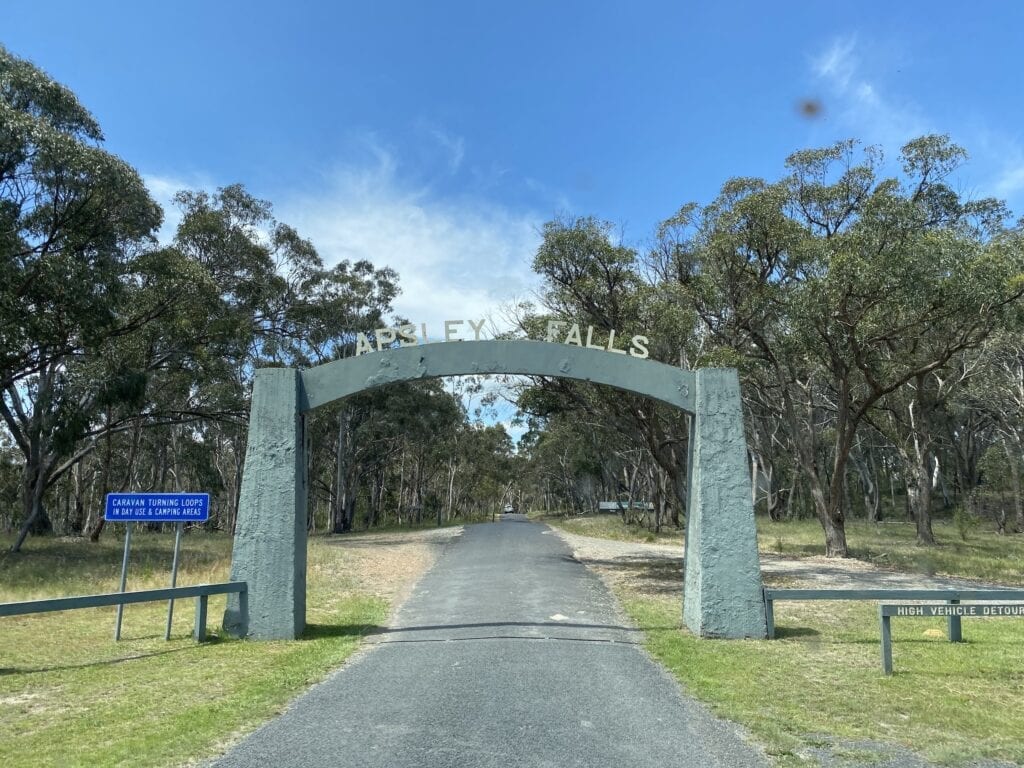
427 627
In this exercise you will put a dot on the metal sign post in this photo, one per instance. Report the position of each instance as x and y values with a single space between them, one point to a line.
124 579
952 609
154 508
174 578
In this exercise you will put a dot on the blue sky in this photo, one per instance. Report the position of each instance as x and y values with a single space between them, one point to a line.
438 137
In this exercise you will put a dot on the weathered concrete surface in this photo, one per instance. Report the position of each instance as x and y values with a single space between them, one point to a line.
722 595
723 582
341 378
270 539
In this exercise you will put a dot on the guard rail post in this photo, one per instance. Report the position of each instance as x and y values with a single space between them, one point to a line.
200 629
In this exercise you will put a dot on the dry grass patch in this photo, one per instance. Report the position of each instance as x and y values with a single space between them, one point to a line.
70 696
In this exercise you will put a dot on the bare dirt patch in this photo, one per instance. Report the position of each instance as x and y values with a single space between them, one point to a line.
656 570
32 703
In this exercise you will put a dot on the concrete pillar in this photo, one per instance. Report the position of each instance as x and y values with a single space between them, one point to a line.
722 590
270 537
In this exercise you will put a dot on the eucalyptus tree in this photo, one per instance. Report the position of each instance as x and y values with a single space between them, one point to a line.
573 463
273 302
103 333
343 301
930 422
590 280
997 393
71 216
227 312
76 226
838 288
565 462
489 473
396 443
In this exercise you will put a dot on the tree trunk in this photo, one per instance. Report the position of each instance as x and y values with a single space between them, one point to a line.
1018 504
869 488
779 513
341 515
919 492
35 520
452 468
417 515
349 505
892 492
79 516
401 489
920 482
659 487
95 526
753 481
348 515
376 495
239 447
919 477
939 482
667 453
832 522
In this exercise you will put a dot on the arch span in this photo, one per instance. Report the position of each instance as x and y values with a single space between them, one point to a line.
722 594
342 378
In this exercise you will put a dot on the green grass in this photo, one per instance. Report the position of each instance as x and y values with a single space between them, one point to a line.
70 696
985 555
953 703
820 683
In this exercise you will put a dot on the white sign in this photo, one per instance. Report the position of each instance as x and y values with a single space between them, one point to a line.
558 332
637 344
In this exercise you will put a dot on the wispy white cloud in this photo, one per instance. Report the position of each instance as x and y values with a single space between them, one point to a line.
553 197
1009 176
859 103
457 258
837 63
455 146
1010 182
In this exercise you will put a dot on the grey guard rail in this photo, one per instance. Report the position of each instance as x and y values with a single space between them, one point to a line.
201 592
952 596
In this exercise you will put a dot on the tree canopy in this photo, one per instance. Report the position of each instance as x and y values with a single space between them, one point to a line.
873 310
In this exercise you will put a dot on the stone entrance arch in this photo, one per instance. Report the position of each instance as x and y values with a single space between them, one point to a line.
722 579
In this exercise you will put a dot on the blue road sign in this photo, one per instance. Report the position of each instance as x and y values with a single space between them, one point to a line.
157 507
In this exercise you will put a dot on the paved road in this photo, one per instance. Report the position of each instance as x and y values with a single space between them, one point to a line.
508 653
